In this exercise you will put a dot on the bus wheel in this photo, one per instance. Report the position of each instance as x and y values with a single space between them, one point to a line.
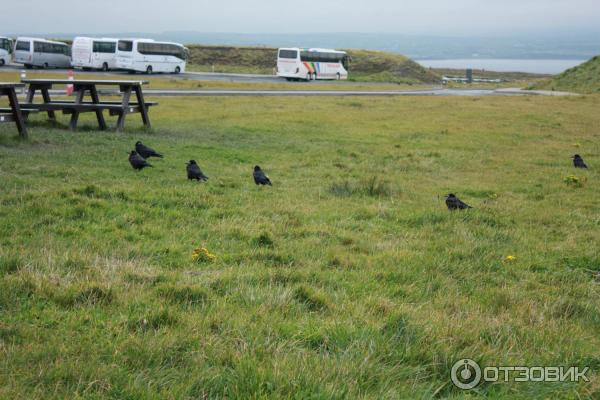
308 76
1 63
28 66
45 66
314 76
177 70
105 67
149 70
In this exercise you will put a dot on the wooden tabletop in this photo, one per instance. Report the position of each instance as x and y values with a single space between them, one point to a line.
83 82
8 85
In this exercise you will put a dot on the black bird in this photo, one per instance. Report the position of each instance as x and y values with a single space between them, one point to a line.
578 161
137 162
260 178
194 172
146 151
454 203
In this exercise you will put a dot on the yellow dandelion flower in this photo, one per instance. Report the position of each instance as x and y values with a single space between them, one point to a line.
201 254
575 181
510 258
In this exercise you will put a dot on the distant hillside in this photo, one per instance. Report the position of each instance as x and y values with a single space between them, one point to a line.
365 65
584 78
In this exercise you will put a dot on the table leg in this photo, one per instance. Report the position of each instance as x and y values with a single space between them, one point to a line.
124 107
75 115
16 111
29 98
142 106
99 115
46 97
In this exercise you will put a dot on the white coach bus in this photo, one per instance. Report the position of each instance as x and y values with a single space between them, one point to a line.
91 53
33 52
146 55
6 49
312 64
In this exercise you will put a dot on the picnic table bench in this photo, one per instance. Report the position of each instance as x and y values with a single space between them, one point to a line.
78 106
14 113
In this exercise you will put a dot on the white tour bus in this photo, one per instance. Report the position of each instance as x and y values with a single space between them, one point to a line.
33 52
147 55
91 53
6 49
311 64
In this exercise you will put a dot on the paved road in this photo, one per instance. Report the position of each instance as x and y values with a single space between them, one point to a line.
198 76
305 91
331 93
342 93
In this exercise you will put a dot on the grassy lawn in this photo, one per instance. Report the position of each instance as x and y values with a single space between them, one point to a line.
346 279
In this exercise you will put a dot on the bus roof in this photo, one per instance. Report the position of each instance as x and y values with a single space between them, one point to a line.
24 38
313 49
143 40
95 38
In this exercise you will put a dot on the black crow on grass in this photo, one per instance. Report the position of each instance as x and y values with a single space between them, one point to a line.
260 178
578 161
194 172
146 151
454 203
137 162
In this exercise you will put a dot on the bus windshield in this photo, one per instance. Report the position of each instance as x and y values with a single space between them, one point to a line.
5 44
23 45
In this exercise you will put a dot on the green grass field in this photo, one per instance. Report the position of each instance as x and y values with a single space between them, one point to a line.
346 279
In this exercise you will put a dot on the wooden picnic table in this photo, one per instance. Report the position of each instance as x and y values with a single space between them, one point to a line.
13 114
78 106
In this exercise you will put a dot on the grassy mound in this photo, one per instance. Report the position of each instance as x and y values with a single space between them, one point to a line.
366 65
584 78
388 67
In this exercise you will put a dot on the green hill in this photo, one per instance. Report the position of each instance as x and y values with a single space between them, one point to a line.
584 78
366 65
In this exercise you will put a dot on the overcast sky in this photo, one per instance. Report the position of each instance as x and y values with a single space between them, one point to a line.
425 17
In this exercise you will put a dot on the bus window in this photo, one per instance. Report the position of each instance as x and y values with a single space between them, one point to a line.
125 45
23 46
162 49
39 47
291 54
104 47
